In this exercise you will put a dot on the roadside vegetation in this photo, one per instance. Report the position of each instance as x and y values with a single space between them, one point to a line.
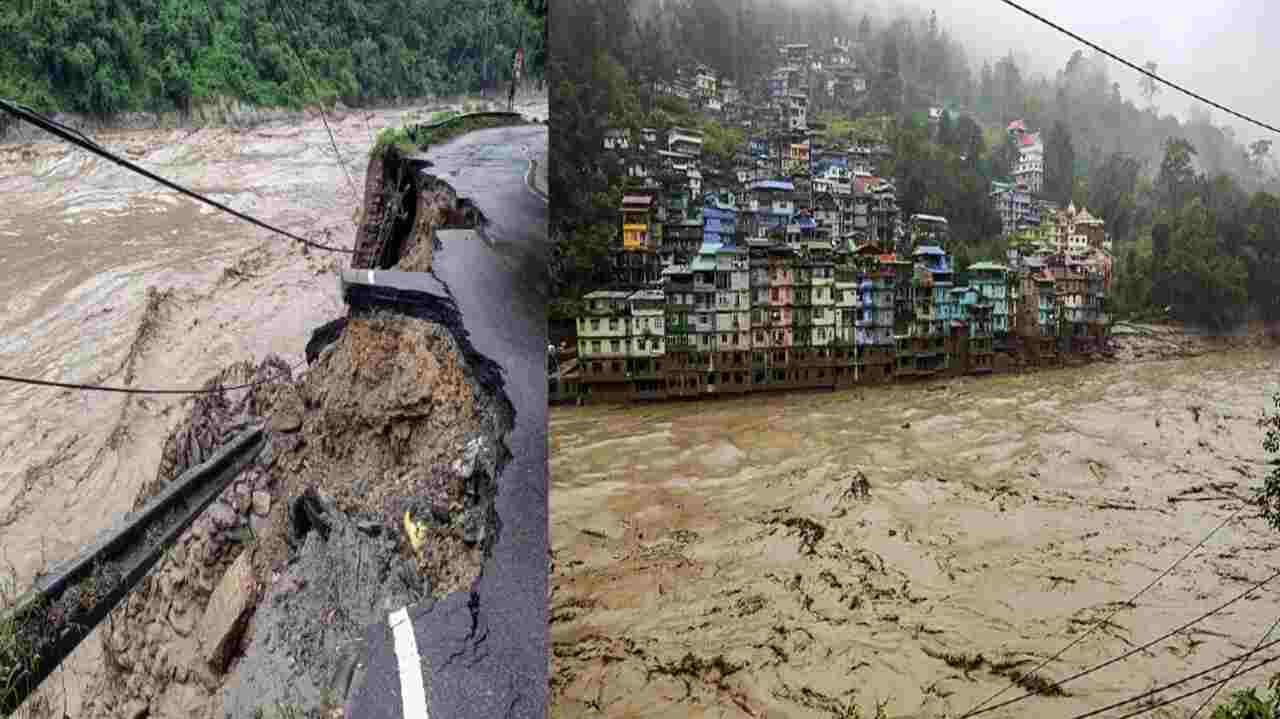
411 139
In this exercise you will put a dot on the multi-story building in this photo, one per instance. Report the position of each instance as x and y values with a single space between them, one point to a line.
990 281
924 229
1029 170
685 141
882 227
797 111
1014 204
799 269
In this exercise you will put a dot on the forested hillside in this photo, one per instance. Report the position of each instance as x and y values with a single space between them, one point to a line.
1186 204
106 56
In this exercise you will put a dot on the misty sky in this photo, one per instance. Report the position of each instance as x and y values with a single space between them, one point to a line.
1216 48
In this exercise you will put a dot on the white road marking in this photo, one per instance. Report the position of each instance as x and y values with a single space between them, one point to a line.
370 276
411 689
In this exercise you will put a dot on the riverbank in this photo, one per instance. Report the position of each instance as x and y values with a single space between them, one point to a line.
906 549
237 114
1130 342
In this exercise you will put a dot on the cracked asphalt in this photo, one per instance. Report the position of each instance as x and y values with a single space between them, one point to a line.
484 653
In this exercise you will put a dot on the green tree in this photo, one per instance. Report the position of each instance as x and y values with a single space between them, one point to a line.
1059 164
889 87
1112 193
1177 172
1205 284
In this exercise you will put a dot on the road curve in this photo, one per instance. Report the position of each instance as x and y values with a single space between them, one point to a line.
484 654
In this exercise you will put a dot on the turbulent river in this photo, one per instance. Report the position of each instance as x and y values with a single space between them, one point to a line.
109 278
908 550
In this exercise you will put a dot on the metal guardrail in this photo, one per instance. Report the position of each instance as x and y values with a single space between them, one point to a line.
48 622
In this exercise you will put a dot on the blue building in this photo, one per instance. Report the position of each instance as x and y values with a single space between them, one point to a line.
720 220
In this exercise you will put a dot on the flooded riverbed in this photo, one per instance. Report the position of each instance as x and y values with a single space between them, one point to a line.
108 278
907 549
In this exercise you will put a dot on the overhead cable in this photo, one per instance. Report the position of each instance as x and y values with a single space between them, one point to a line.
139 390
1142 70
1131 602
1184 680
78 139
1142 647
1238 671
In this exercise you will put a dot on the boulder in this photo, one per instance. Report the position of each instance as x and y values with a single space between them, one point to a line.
227 614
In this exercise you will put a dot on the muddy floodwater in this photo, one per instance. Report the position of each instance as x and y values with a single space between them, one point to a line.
109 278
906 550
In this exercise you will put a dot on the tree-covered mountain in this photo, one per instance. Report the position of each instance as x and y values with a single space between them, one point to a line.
106 56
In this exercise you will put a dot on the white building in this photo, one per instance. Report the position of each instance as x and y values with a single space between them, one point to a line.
647 334
604 330
797 111
1029 170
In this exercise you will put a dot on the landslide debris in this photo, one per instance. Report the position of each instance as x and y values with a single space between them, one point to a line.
397 429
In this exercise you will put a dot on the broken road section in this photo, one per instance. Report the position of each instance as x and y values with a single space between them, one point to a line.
376 490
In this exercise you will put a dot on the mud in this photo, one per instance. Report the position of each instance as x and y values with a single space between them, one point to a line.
388 426
909 551
109 279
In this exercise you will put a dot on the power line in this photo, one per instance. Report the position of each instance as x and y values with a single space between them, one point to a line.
1184 680
1184 695
78 139
1142 70
1238 671
135 390
1143 647
1132 600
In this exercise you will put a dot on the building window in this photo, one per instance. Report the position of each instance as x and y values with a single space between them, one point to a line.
595 345
613 345
613 323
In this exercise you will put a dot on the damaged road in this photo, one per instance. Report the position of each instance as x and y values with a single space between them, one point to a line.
405 478
487 648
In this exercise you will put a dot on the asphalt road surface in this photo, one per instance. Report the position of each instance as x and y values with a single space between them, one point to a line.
483 654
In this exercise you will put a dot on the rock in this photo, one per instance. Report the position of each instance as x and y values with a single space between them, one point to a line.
243 491
226 615
222 516
135 709
285 422
474 528
260 525
466 465
182 622
261 503
155 631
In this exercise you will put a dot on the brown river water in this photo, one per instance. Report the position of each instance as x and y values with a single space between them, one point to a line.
82 243
719 559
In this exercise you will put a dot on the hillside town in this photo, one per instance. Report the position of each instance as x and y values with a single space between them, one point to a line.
791 266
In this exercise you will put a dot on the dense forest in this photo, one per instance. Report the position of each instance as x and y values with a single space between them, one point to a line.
102 57
1188 206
